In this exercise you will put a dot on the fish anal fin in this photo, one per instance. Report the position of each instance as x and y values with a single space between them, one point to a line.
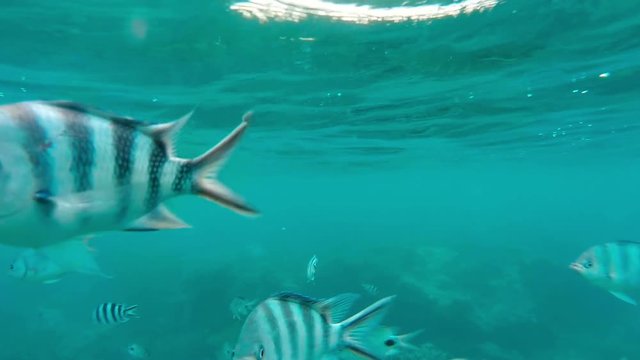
624 297
158 219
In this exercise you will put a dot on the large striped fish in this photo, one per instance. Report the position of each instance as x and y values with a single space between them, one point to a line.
68 170
290 326
614 266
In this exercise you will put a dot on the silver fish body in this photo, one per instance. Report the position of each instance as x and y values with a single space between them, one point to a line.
614 266
67 170
290 326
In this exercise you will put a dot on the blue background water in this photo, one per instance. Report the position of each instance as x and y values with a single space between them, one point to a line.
460 164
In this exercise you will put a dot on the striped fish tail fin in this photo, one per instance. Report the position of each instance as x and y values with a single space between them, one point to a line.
206 166
357 328
131 312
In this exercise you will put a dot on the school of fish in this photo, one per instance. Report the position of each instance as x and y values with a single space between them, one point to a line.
68 171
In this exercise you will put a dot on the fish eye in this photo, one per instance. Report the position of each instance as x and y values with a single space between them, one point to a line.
587 264
389 342
261 352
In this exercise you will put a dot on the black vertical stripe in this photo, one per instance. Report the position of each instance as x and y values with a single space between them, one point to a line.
273 325
309 323
120 310
183 177
291 328
83 150
36 145
157 160
326 333
124 141
113 312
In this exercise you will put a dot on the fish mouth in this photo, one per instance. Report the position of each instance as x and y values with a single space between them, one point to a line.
576 267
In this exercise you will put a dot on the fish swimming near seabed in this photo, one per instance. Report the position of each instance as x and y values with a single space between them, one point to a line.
110 313
67 170
388 342
291 326
51 263
137 351
614 266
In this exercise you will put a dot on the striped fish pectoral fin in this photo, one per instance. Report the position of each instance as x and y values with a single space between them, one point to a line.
624 297
336 308
207 165
159 218
356 329
77 205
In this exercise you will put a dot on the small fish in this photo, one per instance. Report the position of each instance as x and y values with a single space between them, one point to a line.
386 342
291 326
371 289
614 266
67 170
240 307
137 351
110 313
312 267
51 263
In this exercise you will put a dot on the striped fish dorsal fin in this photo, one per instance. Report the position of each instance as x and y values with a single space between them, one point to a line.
295 297
333 309
81 108
163 133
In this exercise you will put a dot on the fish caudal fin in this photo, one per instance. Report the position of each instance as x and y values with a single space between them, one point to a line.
357 328
207 166
132 312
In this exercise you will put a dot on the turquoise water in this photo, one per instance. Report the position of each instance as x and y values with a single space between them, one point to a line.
460 163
